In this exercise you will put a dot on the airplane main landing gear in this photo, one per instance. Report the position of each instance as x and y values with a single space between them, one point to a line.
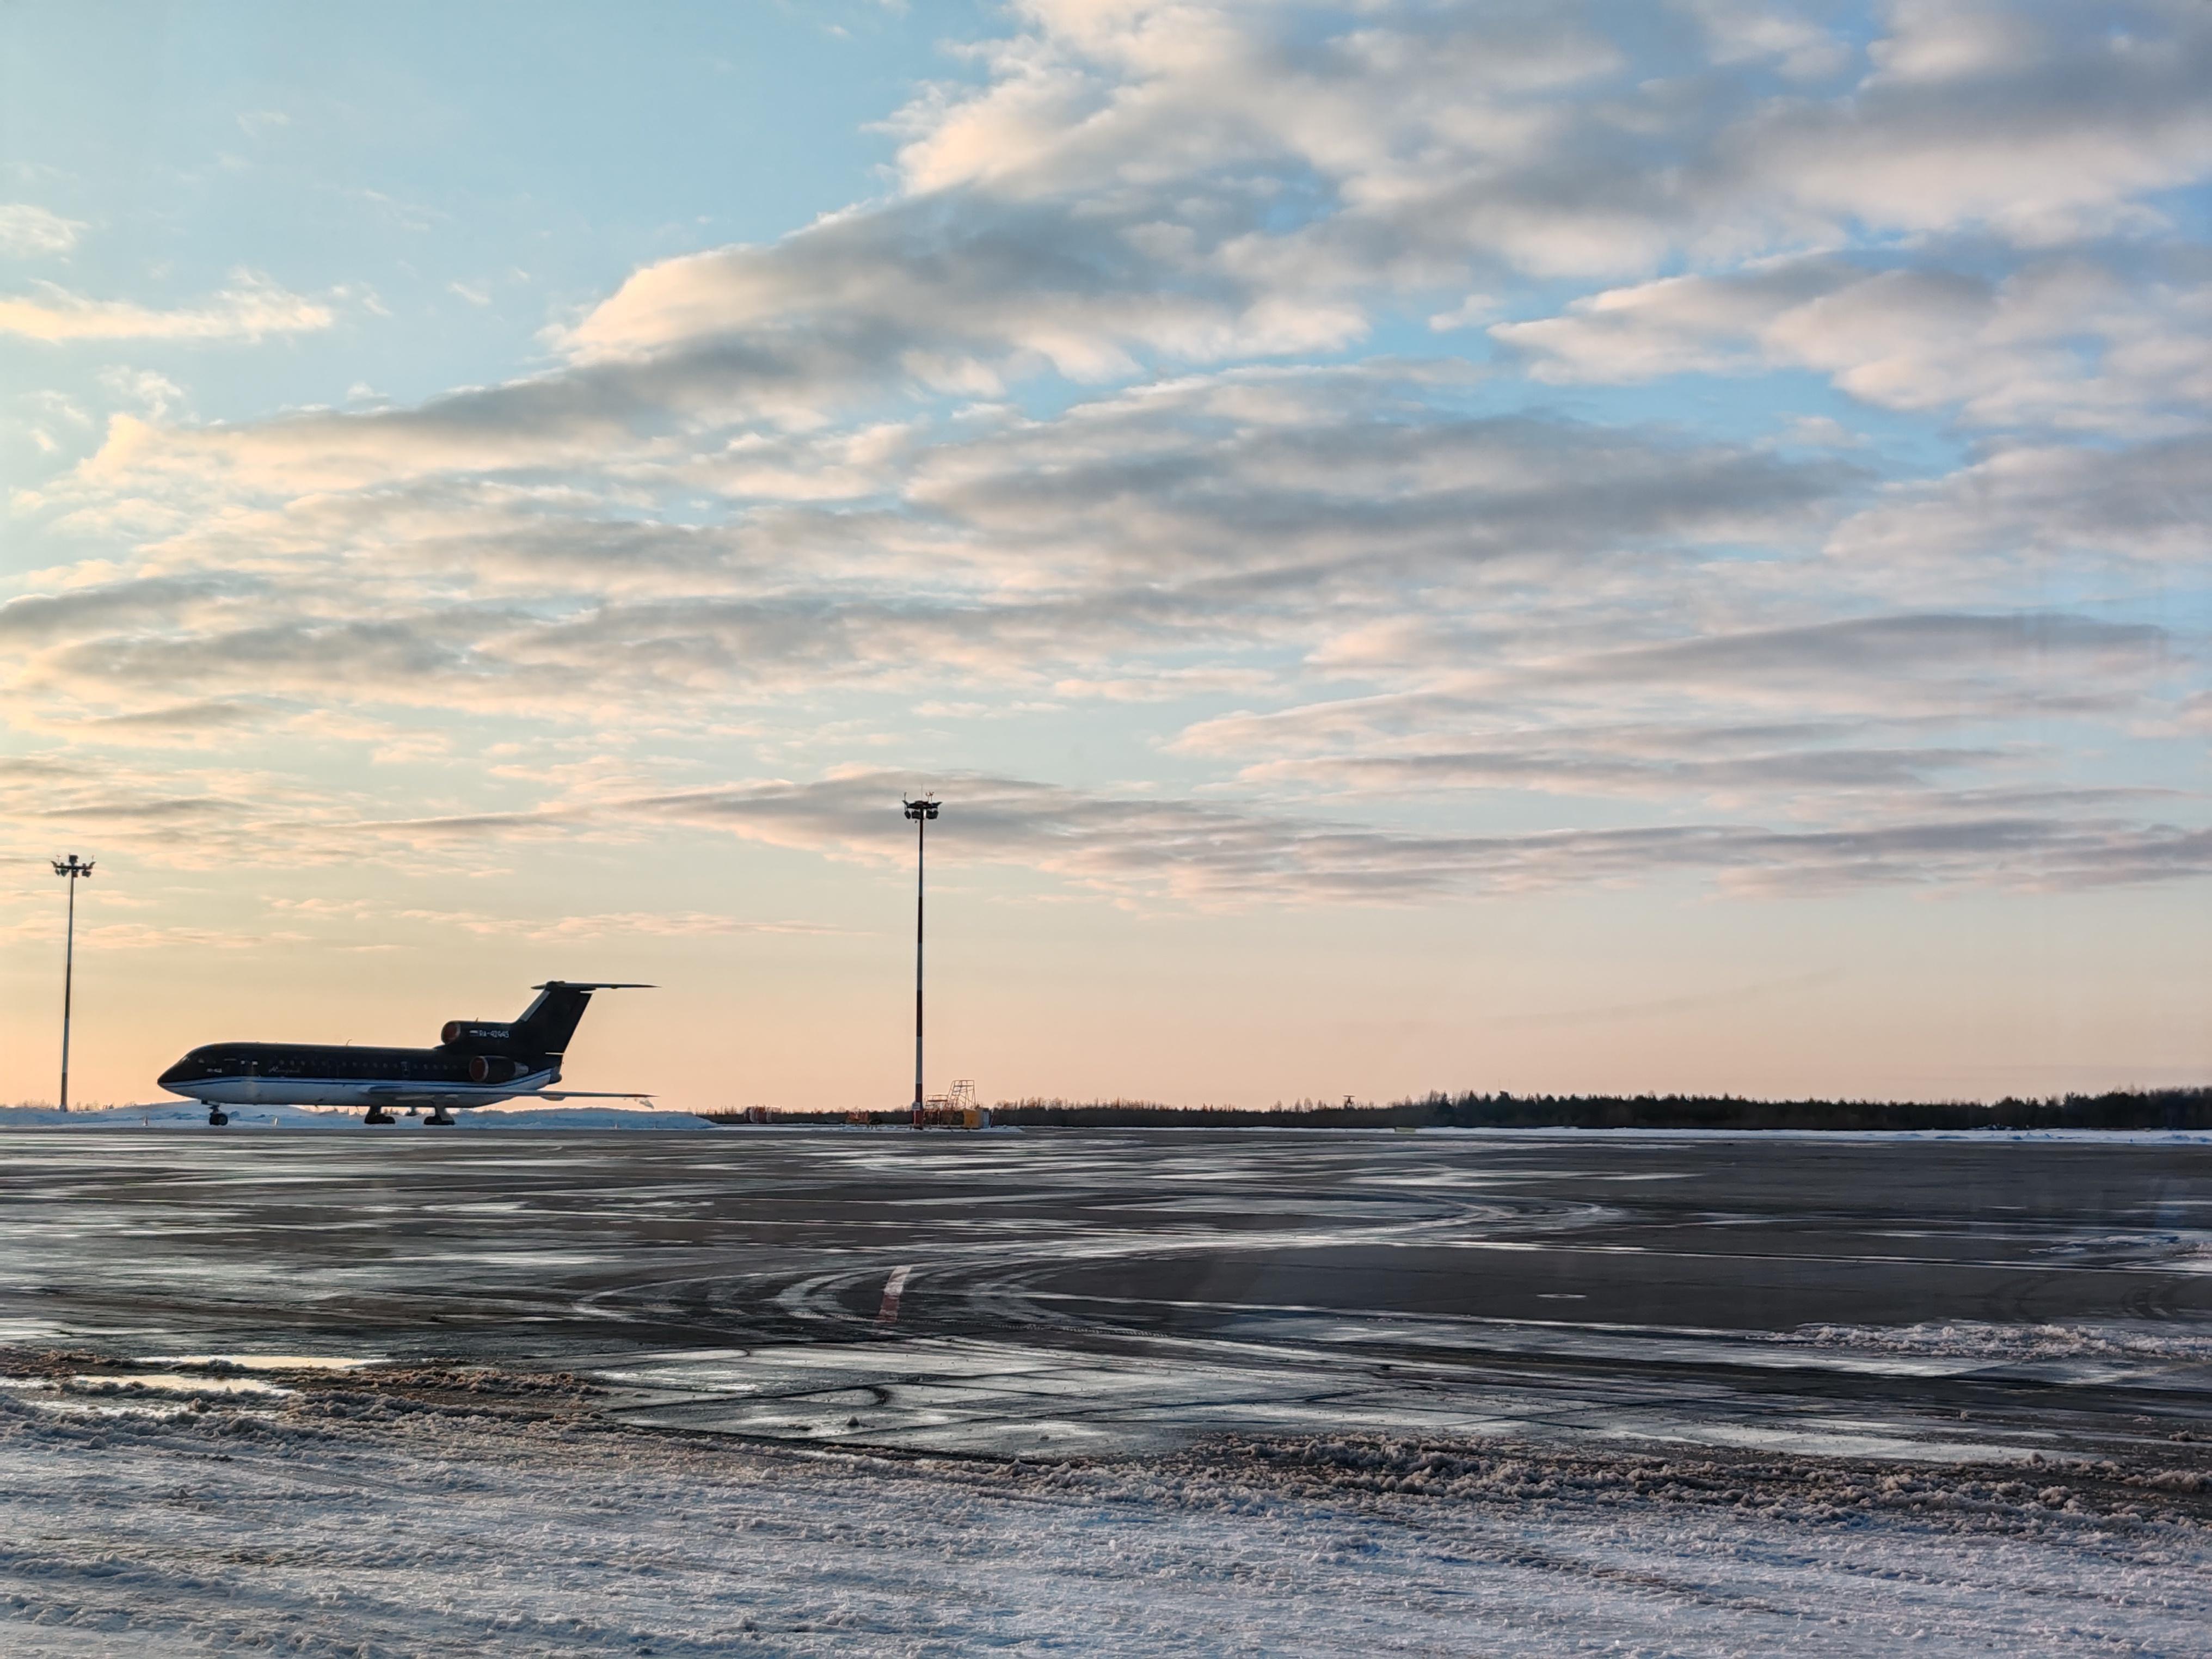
217 1117
378 1115
438 1120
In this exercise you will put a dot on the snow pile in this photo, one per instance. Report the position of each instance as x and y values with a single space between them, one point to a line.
2023 1498
1972 1339
455 1516
1977 1137
188 1114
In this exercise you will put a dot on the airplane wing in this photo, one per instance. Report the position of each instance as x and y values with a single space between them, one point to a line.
410 1094
413 1094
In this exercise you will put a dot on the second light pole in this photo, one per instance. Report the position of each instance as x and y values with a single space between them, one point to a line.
75 869
921 811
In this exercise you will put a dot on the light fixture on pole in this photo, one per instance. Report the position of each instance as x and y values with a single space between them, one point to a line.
72 868
921 811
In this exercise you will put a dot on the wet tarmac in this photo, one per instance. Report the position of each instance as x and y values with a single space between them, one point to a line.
1050 1293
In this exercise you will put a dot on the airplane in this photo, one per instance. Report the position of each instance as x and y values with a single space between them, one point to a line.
474 1064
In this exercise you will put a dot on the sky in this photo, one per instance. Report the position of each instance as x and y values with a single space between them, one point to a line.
1423 545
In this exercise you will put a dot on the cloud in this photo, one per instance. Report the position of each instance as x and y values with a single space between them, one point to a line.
2037 120
1147 850
1076 410
35 619
1246 513
1144 849
252 308
2063 343
192 723
1950 647
1532 133
1322 469
1567 771
946 290
27 231
2145 507
1862 714
96 938
689 924
155 392
1133 189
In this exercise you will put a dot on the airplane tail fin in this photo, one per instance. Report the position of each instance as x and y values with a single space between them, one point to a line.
547 1023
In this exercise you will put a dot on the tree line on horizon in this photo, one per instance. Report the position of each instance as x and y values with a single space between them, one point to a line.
2118 1108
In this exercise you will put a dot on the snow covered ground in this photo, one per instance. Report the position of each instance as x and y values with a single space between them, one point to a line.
1169 1393
189 1115
436 1513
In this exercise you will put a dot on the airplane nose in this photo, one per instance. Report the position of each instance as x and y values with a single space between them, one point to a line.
171 1077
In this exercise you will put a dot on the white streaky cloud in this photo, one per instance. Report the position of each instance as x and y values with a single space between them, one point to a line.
1300 478
2125 514
213 723
1139 188
1954 650
1502 127
1240 515
1934 42
1821 717
2058 344
1168 684
28 231
1826 773
687 924
1751 31
95 938
2039 121
249 310
1147 850
1060 433
955 292
155 392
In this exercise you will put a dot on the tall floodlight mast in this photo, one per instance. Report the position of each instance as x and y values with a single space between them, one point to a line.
73 868
921 811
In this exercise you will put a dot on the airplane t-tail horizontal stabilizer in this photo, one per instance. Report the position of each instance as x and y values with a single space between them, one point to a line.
547 1023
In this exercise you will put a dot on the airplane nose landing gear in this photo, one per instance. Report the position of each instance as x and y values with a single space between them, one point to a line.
378 1115
217 1117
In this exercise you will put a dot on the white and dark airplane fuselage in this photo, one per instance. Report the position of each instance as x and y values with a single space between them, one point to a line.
302 1074
475 1064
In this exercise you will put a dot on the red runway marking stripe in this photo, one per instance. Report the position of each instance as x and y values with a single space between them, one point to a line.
888 1314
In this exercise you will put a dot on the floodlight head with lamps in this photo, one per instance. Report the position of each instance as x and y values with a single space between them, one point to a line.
920 809
73 867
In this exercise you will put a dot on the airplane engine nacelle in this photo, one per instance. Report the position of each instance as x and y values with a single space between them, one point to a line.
491 1068
466 1031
